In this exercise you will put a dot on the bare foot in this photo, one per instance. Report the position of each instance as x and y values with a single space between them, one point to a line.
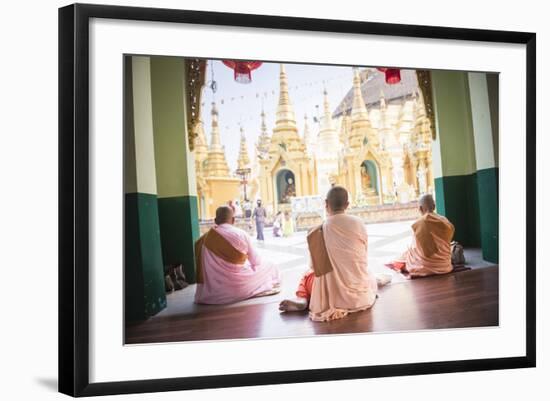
293 305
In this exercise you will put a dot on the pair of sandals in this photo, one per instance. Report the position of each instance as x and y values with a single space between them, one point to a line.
175 280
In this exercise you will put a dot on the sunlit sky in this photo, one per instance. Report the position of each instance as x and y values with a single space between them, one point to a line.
241 104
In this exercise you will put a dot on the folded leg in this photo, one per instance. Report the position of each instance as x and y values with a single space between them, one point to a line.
303 295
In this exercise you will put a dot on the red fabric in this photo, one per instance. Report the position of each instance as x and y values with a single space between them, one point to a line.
397 266
242 69
306 285
392 75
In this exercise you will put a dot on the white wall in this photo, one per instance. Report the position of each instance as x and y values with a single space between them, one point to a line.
28 168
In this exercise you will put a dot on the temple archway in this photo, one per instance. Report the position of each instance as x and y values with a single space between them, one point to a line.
369 178
286 185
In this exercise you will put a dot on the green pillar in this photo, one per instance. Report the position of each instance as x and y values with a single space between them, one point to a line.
454 156
143 268
175 174
484 116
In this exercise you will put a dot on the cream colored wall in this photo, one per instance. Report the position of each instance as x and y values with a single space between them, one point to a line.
175 164
140 145
454 148
493 89
481 119
130 173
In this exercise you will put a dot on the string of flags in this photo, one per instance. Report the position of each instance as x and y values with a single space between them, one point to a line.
308 93
275 92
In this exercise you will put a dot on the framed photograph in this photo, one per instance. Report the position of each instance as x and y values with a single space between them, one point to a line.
252 199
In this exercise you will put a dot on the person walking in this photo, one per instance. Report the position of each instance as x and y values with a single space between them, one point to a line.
259 215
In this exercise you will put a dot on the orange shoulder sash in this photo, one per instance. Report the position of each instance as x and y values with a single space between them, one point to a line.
219 246
428 227
319 256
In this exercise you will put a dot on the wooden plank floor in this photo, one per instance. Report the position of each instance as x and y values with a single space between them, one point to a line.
465 299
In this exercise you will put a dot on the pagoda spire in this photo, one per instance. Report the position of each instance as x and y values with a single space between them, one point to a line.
215 142
285 120
201 147
264 140
358 108
328 137
383 111
345 125
389 139
243 160
326 121
382 100
361 129
307 136
216 164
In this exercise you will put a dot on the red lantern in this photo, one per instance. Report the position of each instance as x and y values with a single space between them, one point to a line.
393 75
242 69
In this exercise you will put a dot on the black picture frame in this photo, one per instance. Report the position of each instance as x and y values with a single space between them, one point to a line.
74 198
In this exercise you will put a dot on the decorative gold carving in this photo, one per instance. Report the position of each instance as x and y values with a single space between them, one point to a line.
194 77
425 84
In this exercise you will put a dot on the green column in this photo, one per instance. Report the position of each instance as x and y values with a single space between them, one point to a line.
454 156
175 175
484 116
143 267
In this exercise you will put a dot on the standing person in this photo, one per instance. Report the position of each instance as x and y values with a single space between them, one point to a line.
247 209
238 209
259 217
277 225
288 225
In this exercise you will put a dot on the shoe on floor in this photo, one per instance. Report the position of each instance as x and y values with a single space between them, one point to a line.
383 279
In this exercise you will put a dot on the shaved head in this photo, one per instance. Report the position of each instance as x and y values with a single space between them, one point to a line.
426 203
224 214
337 199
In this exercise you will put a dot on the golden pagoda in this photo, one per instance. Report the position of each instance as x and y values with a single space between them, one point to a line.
215 184
364 168
376 144
201 147
308 138
423 150
361 129
244 168
243 161
328 149
264 140
286 170
216 164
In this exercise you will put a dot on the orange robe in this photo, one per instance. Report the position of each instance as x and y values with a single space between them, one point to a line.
340 281
430 251
306 285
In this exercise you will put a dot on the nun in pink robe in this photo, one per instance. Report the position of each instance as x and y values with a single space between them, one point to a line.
224 282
